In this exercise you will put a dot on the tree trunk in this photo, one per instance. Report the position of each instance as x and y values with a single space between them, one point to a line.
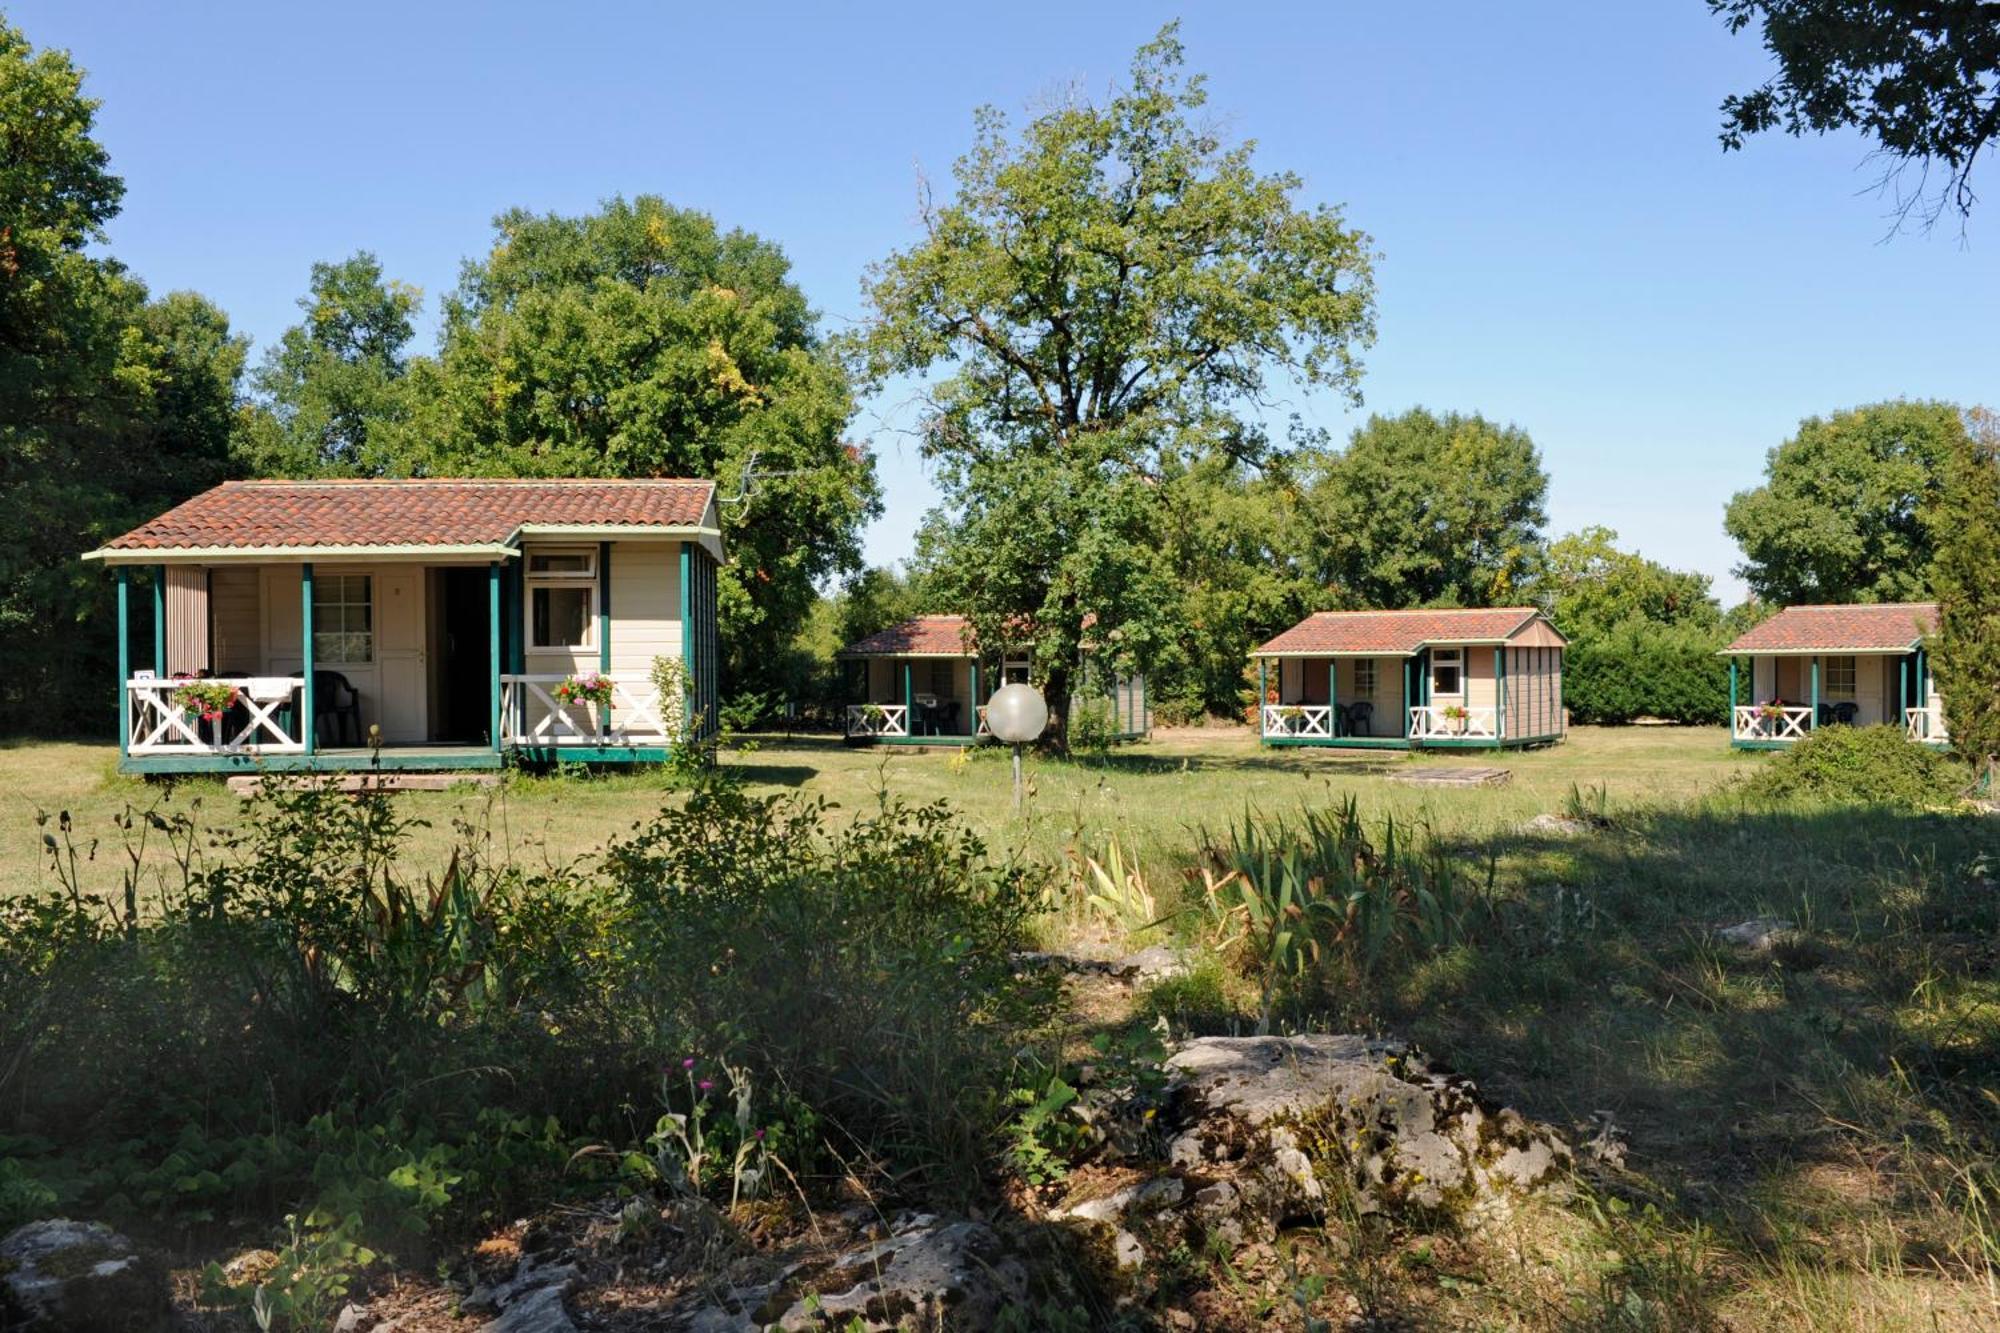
1056 693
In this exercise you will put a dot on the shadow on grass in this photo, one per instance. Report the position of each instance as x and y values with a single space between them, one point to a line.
1746 1080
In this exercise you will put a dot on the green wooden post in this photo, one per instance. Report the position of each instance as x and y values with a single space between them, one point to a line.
973 723
1923 685
493 653
124 660
604 607
1263 666
308 722
1902 688
1812 722
1732 695
1500 694
159 620
687 633
908 699
1409 665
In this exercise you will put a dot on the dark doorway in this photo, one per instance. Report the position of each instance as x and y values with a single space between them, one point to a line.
465 672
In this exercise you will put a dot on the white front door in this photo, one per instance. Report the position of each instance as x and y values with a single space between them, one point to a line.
400 652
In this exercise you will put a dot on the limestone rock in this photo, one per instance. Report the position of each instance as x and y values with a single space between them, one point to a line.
1259 1130
1555 826
530 1276
537 1311
60 1276
929 1272
1760 934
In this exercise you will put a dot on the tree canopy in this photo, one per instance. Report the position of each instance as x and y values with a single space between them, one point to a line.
642 340
1838 516
1589 584
1422 509
113 405
1107 290
1964 519
1919 77
332 386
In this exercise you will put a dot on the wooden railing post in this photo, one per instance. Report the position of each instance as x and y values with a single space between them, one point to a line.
308 730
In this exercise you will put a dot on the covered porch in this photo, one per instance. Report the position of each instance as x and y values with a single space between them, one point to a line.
1779 699
331 642
915 699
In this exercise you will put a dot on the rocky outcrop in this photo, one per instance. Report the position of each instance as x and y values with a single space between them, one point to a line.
60 1276
928 1272
1261 1132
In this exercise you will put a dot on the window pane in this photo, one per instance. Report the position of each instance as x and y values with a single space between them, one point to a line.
561 617
561 562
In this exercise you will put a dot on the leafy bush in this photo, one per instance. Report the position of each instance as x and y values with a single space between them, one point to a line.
1645 669
1863 765
1092 726
864 967
300 1027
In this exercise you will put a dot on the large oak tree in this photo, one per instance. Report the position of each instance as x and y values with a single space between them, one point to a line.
1107 291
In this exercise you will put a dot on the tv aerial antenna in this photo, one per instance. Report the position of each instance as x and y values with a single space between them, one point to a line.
747 481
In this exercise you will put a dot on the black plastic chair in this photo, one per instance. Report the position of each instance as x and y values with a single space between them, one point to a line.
949 723
1360 718
334 697
1846 713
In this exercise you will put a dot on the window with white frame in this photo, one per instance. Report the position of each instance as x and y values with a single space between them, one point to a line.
1447 671
1839 682
1364 678
343 619
562 599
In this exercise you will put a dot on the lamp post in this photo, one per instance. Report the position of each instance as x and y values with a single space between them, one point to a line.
1017 714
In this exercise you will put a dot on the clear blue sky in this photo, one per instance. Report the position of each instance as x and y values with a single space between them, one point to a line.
1564 245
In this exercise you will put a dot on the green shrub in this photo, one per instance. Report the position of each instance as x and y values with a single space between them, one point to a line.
302 1027
1863 765
1092 727
1644 669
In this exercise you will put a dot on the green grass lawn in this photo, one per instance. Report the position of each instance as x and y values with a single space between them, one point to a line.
1812 1133
1151 796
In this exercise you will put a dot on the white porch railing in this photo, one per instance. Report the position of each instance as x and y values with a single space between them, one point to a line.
154 724
1925 724
980 728
878 719
1429 722
531 715
1302 720
1771 722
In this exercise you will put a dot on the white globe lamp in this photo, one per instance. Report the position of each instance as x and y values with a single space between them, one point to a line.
1016 715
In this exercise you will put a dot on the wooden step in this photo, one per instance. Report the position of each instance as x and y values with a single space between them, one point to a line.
251 784
1427 776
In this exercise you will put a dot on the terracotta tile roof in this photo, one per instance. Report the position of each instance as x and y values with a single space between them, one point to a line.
926 636
1397 632
410 512
1882 627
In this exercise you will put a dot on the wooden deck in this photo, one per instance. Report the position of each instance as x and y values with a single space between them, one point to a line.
344 759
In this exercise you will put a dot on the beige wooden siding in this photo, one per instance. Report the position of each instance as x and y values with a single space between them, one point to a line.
236 621
283 649
1534 692
1481 687
645 606
187 619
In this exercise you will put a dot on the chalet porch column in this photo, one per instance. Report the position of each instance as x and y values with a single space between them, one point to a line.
1263 665
974 720
908 699
1812 722
694 687
159 620
1732 694
1409 676
493 653
1902 689
125 660
309 722
604 623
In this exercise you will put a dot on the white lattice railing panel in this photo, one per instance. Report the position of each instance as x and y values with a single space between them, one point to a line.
1302 720
879 719
531 715
1436 722
1771 722
156 725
